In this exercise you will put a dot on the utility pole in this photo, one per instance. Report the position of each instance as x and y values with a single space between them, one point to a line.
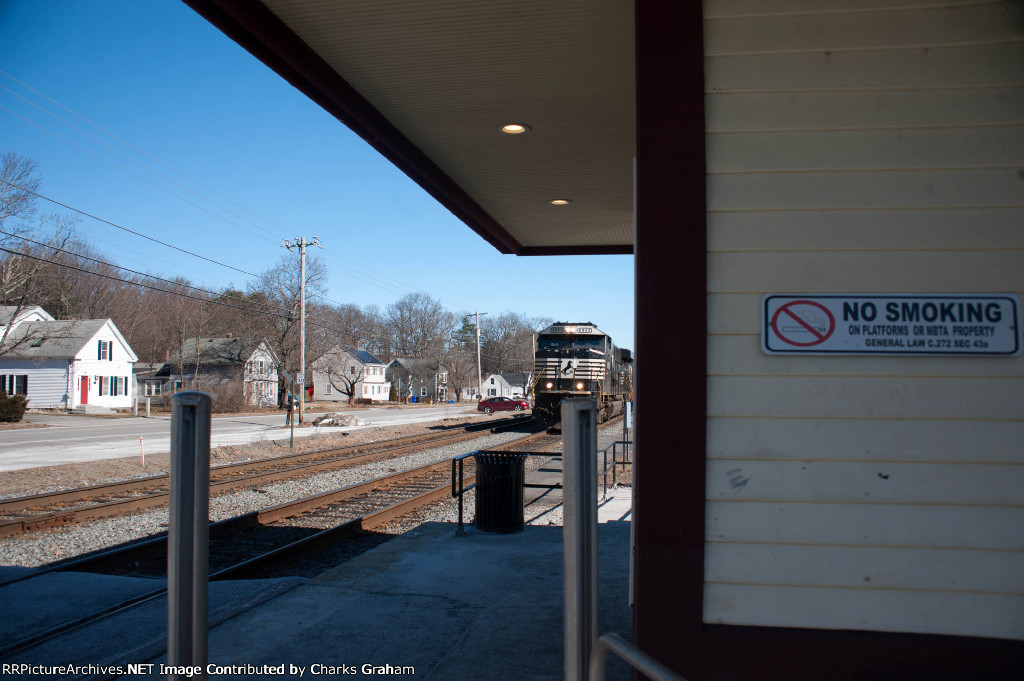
479 376
301 244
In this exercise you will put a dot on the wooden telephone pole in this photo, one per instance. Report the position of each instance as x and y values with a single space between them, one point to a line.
301 244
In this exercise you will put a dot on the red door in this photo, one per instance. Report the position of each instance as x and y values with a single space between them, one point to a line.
85 390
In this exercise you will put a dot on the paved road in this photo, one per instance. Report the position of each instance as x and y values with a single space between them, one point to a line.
71 438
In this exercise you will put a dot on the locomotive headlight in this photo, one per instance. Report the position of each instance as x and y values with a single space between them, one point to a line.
549 385
579 386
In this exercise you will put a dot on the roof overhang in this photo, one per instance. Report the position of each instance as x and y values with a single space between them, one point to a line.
429 85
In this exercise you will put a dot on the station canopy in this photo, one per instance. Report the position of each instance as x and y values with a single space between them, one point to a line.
430 85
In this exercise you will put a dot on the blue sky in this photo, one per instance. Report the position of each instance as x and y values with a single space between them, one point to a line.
184 96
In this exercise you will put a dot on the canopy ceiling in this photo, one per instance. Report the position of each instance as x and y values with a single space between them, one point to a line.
429 84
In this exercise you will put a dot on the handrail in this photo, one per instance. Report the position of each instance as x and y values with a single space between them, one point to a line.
615 462
458 492
640 660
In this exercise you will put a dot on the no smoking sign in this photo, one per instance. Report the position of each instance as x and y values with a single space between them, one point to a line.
944 324
803 323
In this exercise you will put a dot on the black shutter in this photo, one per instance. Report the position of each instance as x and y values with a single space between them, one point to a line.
99 350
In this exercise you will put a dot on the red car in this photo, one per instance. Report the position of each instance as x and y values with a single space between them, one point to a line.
492 404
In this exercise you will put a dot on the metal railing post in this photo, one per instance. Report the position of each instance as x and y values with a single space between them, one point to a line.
188 533
579 532
640 661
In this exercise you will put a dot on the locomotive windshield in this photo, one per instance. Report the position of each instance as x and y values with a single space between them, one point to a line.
549 343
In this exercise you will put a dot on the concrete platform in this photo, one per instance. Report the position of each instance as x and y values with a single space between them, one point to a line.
427 604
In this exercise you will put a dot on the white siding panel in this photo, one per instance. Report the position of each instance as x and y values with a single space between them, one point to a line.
877 568
744 8
888 440
863 147
866 397
954 25
848 482
913 68
936 271
866 149
980 528
741 356
47 381
857 190
989 615
865 230
905 109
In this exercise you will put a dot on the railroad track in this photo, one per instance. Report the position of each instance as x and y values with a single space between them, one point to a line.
30 513
252 545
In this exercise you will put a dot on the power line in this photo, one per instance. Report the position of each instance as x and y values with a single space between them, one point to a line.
424 348
135 175
130 231
132 146
375 279
135 161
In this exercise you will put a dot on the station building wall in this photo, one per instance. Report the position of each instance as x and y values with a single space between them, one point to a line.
863 147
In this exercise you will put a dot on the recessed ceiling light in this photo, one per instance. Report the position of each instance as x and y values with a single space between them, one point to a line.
514 128
560 202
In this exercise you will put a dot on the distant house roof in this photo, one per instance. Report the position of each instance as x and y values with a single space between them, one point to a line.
362 355
515 378
417 366
10 312
219 351
58 339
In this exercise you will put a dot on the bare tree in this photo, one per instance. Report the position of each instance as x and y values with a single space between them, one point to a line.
24 248
342 372
420 326
278 292
507 342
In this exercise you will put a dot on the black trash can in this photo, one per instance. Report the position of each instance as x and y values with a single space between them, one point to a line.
499 491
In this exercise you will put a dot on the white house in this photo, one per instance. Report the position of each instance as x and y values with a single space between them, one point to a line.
344 370
504 385
67 364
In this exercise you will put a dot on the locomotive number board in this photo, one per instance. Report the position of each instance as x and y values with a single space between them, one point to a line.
897 324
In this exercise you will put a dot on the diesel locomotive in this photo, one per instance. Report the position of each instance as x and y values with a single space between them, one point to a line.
579 360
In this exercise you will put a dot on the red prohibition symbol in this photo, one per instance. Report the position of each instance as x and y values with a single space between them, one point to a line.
803 323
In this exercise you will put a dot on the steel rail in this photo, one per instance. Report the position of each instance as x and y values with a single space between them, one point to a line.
220 483
257 565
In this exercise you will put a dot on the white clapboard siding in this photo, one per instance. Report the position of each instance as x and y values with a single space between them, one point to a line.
789 111
890 440
863 146
905 229
47 383
906 610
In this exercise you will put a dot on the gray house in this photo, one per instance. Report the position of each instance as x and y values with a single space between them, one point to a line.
348 373
217 363
418 379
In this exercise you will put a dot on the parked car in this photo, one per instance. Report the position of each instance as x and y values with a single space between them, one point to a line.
492 404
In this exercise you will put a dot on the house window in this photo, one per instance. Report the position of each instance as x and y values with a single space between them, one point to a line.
327 389
352 370
423 392
104 385
14 384
259 366
492 381
177 386
105 350
152 388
